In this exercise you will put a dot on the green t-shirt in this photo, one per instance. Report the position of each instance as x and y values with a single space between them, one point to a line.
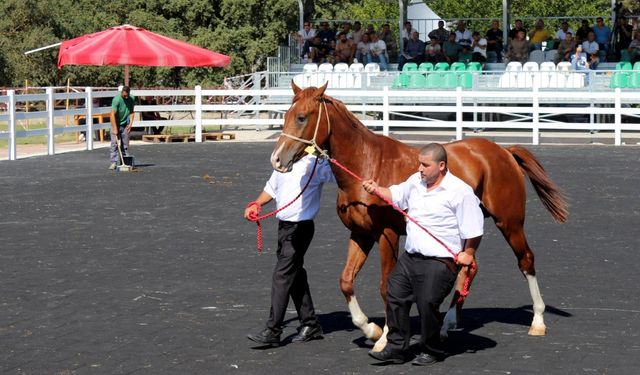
123 108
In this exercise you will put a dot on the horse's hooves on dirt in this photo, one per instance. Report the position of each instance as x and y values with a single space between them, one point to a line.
538 330
373 332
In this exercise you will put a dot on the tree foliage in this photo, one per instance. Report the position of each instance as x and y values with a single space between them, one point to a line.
247 30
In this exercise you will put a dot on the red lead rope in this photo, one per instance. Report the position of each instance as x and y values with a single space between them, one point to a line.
255 216
465 289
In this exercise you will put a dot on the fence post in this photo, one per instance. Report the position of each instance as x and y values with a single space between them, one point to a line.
51 106
12 124
535 126
88 102
385 111
458 113
198 104
617 118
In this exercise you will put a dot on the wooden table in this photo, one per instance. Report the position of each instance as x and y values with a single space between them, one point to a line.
100 118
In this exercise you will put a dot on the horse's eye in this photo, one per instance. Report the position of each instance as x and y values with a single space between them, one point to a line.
302 119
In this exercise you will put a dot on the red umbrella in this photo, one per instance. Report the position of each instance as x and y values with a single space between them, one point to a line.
129 45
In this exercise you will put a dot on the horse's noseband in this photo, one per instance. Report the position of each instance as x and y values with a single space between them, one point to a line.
313 143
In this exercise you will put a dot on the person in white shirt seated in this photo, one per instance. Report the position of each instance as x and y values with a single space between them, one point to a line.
363 49
562 33
378 51
463 36
305 36
479 46
591 48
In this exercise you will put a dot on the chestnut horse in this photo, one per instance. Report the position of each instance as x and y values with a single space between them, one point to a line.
495 173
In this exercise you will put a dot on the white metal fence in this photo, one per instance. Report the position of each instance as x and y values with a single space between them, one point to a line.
533 110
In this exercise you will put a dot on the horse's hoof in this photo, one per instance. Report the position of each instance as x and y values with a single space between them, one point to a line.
538 330
373 332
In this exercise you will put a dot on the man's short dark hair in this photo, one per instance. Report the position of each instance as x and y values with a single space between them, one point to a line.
437 152
126 89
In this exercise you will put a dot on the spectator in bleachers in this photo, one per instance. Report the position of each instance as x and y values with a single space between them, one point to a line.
331 52
304 37
583 31
579 59
407 31
494 40
465 54
591 48
433 52
463 36
318 51
378 51
363 50
450 49
513 33
345 49
370 29
357 32
538 35
440 34
390 40
603 37
624 30
346 29
565 48
518 49
325 33
561 34
479 46
634 48
413 51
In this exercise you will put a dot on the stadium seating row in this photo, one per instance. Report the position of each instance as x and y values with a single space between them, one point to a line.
544 75
340 76
626 76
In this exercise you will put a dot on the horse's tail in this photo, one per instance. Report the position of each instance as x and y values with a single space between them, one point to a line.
550 195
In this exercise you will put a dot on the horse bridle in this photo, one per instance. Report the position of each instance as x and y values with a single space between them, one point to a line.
313 145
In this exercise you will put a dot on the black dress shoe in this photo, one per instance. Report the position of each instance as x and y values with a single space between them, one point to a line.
308 333
388 355
425 359
267 336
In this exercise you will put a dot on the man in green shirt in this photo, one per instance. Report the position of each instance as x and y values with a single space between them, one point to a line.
121 121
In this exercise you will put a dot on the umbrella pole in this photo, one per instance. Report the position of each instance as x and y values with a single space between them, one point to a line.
126 75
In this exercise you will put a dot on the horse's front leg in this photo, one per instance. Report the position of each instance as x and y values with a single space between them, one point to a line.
359 248
388 258
453 315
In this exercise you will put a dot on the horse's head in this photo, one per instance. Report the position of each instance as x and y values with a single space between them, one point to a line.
305 124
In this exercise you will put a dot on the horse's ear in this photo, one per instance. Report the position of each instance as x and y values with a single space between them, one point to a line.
295 88
321 90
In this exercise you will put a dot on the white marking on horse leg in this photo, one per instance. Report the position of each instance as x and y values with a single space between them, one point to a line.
450 322
382 341
537 325
275 163
370 330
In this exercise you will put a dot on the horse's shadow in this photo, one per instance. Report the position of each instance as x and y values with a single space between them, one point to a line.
462 340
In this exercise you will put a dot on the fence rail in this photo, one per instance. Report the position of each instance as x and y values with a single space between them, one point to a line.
533 110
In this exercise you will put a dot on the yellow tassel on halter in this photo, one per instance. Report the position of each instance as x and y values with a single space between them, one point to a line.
310 150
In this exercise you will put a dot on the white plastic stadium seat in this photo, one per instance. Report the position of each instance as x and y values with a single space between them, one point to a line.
536 56
564 66
325 73
310 72
514 66
547 66
372 69
356 70
341 78
547 74
550 55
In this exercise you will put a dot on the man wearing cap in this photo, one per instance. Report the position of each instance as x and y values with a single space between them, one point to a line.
121 121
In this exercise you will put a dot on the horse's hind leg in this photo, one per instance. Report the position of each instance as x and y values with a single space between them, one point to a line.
514 234
359 248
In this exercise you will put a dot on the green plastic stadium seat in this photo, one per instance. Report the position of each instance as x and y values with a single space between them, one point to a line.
418 81
442 66
474 66
623 65
458 66
619 80
410 67
425 67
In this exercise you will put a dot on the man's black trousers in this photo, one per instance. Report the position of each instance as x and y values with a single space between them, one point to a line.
289 275
425 281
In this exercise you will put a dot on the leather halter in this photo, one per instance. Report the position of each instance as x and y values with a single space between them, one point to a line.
313 145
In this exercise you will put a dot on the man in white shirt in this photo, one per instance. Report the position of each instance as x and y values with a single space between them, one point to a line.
378 51
295 231
425 273
591 48
562 33
463 36
305 36
479 46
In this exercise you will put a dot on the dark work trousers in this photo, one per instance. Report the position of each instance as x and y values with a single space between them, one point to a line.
425 281
289 275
